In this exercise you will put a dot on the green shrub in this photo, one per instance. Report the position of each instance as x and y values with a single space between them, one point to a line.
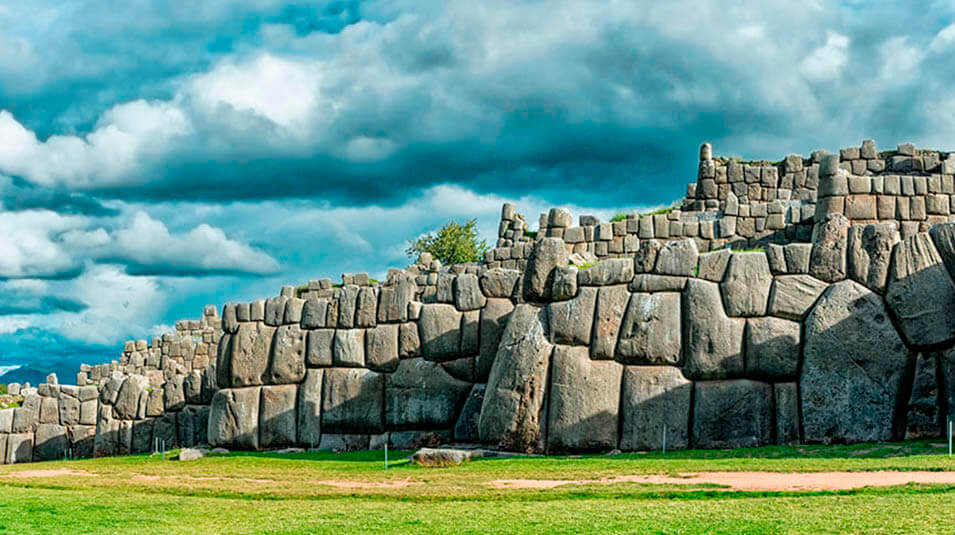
3 389
619 217
532 234
454 243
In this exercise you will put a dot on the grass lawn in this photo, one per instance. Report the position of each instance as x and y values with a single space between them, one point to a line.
352 493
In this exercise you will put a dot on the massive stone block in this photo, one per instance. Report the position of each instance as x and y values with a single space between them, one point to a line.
772 348
713 345
287 364
494 317
421 395
746 285
651 331
466 428
830 237
234 418
440 329
611 304
277 418
654 397
366 307
319 347
19 448
516 388
943 236
607 272
925 418
142 440
127 402
27 415
786 397
467 292
571 322
921 294
250 354
224 350
310 409
732 414
677 258
353 401
546 255
499 282
69 410
584 401
393 300
348 348
50 442
869 252
174 395
381 348
794 295
853 366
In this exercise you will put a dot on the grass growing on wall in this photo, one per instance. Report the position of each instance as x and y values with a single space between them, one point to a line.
303 493
659 211
620 216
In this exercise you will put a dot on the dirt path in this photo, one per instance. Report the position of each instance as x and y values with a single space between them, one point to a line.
47 473
750 481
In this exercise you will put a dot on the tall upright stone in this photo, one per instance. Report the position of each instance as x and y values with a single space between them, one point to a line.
547 254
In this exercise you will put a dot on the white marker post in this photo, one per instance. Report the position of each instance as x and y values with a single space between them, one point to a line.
386 455
950 437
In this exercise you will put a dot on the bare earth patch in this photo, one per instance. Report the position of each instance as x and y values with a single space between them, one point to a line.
344 484
144 477
48 473
750 481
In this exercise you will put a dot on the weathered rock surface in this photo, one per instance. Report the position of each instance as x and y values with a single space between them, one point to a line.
921 294
654 397
611 304
794 295
772 348
466 428
546 255
288 355
309 410
381 348
234 418
50 442
787 413
499 282
421 395
746 285
607 272
571 322
854 362
732 414
869 252
651 331
677 258
440 329
494 319
348 348
353 401
829 243
250 354
925 418
511 416
713 345
277 418
584 401
319 347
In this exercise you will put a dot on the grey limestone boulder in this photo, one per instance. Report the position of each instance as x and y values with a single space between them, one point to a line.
611 304
921 294
943 236
234 418
309 412
677 258
854 363
786 398
494 317
366 307
191 387
174 393
830 238
732 414
772 348
747 284
547 254
287 364
440 329
421 395
869 252
654 398
797 257
223 367
347 306
250 353
466 427
500 282
651 331
275 310
230 323
348 348
571 321
565 283
607 272
584 401
794 295
511 415
381 347
19 448
467 292
648 282
925 418
127 402
409 343
314 313
277 418
645 259
712 265
293 310
713 342
319 347
50 442
353 401
393 299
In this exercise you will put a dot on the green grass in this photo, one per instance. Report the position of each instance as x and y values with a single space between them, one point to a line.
750 250
532 234
620 216
270 493
300 290
587 265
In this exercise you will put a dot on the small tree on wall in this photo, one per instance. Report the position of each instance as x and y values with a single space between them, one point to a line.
453 244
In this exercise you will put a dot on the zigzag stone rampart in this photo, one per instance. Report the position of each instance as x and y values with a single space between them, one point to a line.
840 327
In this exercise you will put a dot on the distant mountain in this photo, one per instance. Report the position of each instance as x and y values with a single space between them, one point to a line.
25 374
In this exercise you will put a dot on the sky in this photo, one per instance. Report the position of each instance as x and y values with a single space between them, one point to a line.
157 156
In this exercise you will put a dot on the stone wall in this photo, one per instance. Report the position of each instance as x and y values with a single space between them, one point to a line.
838 327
